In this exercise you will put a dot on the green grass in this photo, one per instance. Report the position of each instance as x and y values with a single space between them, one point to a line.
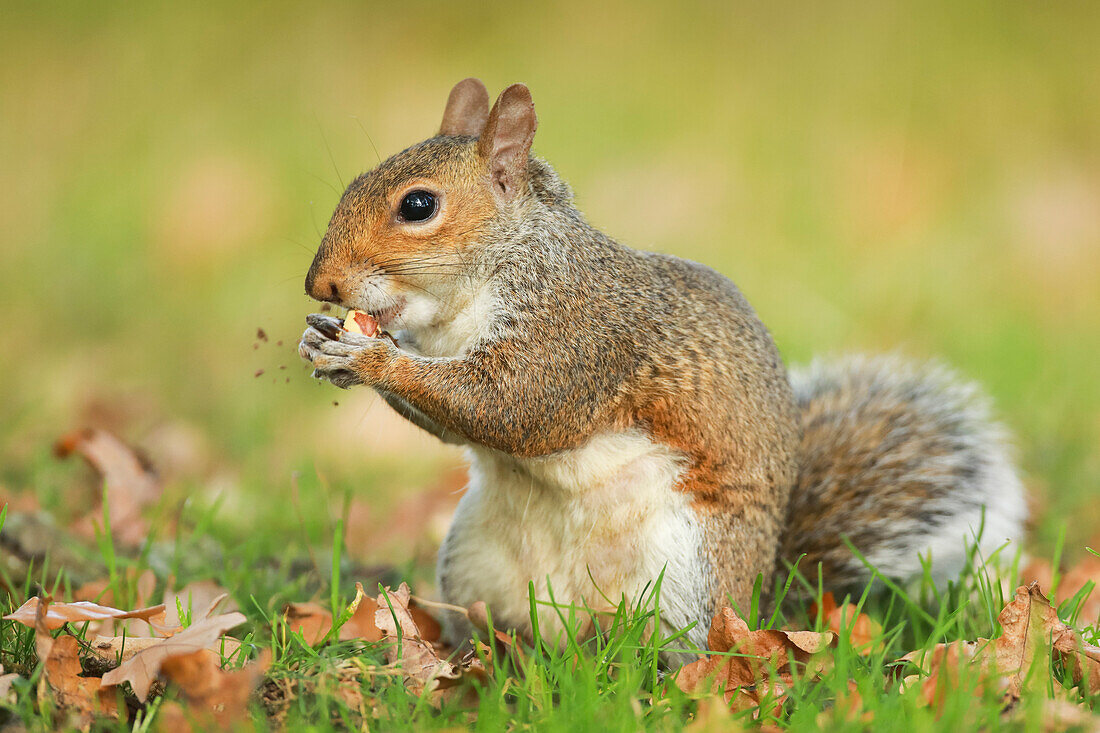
613 680
899 176
874 176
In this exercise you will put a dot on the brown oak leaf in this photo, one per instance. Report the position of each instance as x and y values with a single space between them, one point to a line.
84 696
117 649
1028 626
1030 633
423 668
1047 629
202 636
750 666
215 698
87 696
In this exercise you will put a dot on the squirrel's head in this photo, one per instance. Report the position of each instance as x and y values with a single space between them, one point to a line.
402 239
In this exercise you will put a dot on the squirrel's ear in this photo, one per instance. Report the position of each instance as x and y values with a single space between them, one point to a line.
467 109
506 140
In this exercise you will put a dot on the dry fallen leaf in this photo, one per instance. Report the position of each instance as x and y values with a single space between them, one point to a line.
215 698
203 636
751 665
59 614
1082 659
1028 625
1032 627
940 668
1031 633
117 649
314 620
84 696
310 619
99 591
423 668
131 484
864 634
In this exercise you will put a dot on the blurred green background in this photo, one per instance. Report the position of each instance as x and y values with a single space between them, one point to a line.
922 177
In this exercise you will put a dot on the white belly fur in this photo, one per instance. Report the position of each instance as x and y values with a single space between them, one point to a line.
608 512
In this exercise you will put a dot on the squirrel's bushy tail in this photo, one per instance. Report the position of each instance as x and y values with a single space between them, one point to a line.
902 459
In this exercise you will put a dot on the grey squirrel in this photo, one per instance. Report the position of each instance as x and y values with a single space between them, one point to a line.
625 413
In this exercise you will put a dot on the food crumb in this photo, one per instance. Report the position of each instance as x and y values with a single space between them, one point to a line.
259 373
279 342
282 366
255 346
261 335
335 403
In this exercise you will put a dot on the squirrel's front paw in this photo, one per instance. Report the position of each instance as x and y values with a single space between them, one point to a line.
341 357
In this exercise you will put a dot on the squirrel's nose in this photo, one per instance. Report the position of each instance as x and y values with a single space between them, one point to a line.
326 290
323 289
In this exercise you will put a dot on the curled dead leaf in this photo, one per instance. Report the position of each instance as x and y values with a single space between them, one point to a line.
59 614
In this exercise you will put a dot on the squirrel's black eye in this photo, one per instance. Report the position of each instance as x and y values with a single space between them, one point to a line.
417 206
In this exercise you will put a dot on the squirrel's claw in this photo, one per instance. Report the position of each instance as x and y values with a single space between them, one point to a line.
335 359
330 327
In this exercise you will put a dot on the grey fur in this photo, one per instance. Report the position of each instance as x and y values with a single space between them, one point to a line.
901 458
